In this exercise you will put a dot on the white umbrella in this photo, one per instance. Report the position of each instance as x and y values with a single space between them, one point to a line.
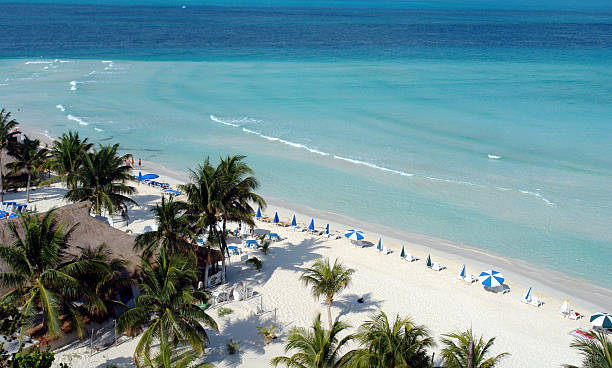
565 307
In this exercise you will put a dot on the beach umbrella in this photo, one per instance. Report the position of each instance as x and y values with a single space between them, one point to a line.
150 176
276 220
403 253
602 320
354 235
491 278
379 246
293 222
258 213
527 296
462 273
327 229
428 263
565 307
139 176
311 226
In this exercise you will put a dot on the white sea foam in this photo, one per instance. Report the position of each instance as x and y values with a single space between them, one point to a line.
98 130
77 119
374 166
537 195
60 107
39 62
92 72
73 85
214 118
66 61
107 61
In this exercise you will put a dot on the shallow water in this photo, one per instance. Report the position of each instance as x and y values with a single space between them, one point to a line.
384 115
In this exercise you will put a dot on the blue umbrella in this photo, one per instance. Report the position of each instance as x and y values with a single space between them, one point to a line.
139 176
602 320
354 235
258 213
293 222
276 220
491 278
311 226
527 296
327 229
379 246
150 176
462 273
403 253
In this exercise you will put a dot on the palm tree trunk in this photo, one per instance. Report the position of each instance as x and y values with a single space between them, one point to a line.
28 188
223 249
329 304
206 274
1 188
470 357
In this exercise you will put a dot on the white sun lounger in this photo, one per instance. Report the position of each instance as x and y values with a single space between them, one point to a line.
470 279
534 301
410 258
438 267
384 250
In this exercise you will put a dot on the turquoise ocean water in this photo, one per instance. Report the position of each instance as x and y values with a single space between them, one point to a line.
387 114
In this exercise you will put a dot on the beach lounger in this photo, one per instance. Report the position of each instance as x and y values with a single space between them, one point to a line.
274 236
410 258
574 315
437 266
470 279
581 334
386 250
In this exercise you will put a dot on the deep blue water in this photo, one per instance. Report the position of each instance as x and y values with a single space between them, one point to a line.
386 112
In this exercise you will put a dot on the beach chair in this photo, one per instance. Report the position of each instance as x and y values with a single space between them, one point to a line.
410 258
386 250
438 266
574 315
273 236
470 279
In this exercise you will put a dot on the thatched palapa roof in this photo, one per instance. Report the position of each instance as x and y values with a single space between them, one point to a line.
89 233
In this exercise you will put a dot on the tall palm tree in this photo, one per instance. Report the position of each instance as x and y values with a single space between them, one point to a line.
327 280
106 278
7 125
40 278
30 158
315 347
403 344
595 353
67 156
238 194
173 229
463 350
167 306
102 180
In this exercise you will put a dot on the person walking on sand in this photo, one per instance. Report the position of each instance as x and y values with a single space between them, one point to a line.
139 163
132 162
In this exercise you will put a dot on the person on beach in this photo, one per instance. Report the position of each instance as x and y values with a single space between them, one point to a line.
132 162
139 163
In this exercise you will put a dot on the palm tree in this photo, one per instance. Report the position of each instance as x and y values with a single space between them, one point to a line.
39 276
107 278
596 353
327 280
174 358
316 347
462 350
237 191
67 156
29 157
403 344
102 179
173 231
167 306
7 125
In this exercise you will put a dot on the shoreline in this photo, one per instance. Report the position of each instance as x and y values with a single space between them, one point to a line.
587 296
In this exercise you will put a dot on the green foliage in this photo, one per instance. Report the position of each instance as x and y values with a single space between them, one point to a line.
30 158
255 262
34 358
264 244
460 346
224 311
173 357
67 157
269 333
595 353
315 347
6 134
40 277
167 306
327 280
10 319
402 344
232 346
101 180
173 230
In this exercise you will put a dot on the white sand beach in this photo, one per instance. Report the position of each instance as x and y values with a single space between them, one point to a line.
533 336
